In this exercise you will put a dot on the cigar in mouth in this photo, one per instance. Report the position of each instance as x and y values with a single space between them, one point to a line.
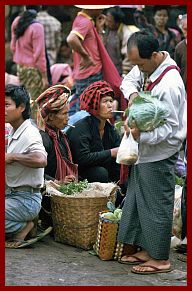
118 111
70 125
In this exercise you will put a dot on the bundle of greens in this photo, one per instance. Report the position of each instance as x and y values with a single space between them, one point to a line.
73 187
147 112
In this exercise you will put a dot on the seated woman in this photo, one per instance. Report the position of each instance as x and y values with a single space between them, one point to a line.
53 105
94 141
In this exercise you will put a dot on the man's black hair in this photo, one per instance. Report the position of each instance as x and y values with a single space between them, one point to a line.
145 42
161 7
20 96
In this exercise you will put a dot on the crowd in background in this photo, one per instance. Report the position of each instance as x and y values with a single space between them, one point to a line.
51 62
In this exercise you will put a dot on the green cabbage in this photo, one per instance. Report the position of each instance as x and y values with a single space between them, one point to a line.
147 112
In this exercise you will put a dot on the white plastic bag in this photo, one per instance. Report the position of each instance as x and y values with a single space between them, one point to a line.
128 150
177 219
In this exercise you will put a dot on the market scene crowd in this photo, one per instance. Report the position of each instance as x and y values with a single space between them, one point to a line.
73 99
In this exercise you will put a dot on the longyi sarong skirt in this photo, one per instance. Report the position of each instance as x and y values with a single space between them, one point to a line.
148 209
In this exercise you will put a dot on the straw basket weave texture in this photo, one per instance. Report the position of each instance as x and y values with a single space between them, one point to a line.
75 220
75 217
107 247
106 238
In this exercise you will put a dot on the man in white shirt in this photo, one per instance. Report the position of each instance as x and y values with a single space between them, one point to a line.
25 159
148 209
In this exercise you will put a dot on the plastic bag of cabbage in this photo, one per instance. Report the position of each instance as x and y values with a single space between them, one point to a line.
147 111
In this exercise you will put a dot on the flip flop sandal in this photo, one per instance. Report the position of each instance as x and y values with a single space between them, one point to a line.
44 233
136 262
18 243
155 270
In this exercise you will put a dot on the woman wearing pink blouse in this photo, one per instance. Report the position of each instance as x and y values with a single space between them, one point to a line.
28 48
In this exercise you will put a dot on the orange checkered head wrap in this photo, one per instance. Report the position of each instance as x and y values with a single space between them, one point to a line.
91 96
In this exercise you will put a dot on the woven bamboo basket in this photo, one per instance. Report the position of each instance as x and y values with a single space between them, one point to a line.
75 220
106 240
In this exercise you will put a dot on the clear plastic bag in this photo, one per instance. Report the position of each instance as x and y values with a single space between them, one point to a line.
128 150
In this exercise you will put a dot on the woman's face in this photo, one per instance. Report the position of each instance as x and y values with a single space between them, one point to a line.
161 17
110 22
60 119
106 107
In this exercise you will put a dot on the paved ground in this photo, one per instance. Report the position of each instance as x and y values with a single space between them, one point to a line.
48 263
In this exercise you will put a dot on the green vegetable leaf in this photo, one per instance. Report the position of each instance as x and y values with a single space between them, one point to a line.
73 187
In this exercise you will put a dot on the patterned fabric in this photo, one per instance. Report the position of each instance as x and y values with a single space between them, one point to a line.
53 37
65 166
31 78
53 99
91 96
148 210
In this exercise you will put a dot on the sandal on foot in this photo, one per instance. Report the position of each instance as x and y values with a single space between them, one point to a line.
44 233
136 262
19 243
154 270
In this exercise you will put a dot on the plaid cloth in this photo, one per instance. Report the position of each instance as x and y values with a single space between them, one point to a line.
91 96
52 29
148 209
53 99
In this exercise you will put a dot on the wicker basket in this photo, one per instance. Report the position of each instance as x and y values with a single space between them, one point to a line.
75 220
107 247
106 240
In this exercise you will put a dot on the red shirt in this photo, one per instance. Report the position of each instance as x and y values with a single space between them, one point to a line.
83 28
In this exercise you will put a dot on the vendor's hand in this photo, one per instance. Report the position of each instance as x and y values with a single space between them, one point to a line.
69 179
100 22
135 131
131 98
114 152
9 158
126 127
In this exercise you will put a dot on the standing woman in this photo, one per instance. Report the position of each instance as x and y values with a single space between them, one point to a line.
28 48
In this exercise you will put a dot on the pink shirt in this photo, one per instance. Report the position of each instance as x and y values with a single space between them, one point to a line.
83 28
29 49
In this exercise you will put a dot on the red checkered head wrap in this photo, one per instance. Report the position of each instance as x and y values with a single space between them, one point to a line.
53 99
91 96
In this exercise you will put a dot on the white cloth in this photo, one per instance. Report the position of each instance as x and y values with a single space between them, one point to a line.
166 140
26 139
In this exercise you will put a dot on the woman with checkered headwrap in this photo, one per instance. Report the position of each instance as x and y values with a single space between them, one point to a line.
94 141
53 106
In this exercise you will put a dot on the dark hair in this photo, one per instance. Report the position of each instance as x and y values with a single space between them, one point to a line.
146 43
25 20
161 7
20 96
117 14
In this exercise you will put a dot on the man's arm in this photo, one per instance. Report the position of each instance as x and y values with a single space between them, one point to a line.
31 160
75 43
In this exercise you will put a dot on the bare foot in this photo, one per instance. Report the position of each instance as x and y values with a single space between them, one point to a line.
23 233
153 265
139 256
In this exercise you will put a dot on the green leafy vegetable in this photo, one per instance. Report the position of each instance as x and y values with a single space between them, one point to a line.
147 112
179 181
73 187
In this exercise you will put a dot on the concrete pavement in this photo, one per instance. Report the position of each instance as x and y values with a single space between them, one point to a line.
48 263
